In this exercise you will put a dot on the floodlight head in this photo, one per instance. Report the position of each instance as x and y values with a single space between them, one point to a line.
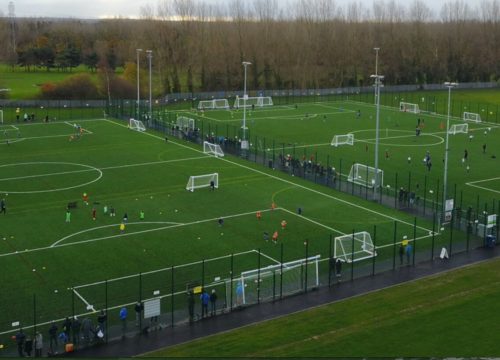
450 84
138 50
376 49
149 51
245 63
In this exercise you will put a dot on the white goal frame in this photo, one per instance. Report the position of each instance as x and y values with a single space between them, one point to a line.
258 101
365 175
213 149
292 273
458 129
202 181
409 107
474 117
347 139
136 125
363 247
213 104
184 122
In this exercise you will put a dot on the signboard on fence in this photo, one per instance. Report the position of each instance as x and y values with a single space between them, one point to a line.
151 308
492 221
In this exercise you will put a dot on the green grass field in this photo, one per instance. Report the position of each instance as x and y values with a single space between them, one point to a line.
42 171
448 315
59 268
307 130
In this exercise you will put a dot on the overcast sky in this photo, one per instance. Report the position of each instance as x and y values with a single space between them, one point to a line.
93 9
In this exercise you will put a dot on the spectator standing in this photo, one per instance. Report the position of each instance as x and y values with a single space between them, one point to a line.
123 319
138 310
53 337
66 327
28 346
213 302
86 329
401 253
75 327
3 207
38 344
338 269
205 299
20 339
408 253
191 306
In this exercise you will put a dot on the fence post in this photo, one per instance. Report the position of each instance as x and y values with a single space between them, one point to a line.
414 238
330 263
374 248
394 246
34 317
352 256
258 276
172 298
396 195
425 192
281 271
433 235
231 285
106 307
307 252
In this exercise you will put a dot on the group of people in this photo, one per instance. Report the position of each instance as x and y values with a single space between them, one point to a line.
206 300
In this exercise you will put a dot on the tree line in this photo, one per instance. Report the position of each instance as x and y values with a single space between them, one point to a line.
199 46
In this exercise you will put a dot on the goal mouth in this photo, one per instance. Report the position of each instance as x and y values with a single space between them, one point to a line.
354 247
213 104
364 175
136 125
184 122
203 181
472 117
409 107
458 129
347 139
258 101
212 149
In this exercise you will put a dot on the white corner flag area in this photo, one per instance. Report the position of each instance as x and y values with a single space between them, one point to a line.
202 181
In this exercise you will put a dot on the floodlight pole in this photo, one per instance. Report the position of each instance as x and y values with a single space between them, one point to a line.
449 85
150 57
245 64
378 84
138 92
376 69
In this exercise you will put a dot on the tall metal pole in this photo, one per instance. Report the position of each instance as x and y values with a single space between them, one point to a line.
245 96
376 69
449 85
376 184
138 92
150 57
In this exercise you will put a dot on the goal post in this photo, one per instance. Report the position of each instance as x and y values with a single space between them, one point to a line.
213 104
184 122
347 139
275 280
136 125
409 107
474 117
365 175
202 181
213 149
458 129
258 101
354 247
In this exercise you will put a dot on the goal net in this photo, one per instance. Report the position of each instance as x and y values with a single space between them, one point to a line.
136 125
202 181
209 148
184 122
259 101
274 280
468 116
347 139
354 247
409 107
213 104
458 128
365 175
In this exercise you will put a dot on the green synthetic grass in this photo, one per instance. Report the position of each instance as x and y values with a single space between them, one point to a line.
45 167
306 130
448 315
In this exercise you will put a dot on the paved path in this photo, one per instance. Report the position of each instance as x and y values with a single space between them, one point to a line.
136 345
